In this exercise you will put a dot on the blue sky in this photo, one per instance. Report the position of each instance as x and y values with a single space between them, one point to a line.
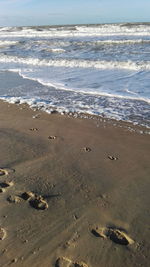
51 12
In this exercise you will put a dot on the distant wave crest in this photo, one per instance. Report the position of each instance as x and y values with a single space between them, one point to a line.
82 30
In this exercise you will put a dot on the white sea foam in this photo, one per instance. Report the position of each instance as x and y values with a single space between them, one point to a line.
55 50
57 42
78 31
5 28
75 63
57 85
122 42
7 43
79 108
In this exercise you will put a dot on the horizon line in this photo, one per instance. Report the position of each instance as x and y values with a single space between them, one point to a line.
80 24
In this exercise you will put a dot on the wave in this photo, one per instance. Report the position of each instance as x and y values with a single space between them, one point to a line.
121 42
80 44
8 43
92 92
76 31
55 50
85 43
77 63
61 86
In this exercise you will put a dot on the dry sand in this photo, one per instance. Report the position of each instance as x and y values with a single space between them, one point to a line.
74 192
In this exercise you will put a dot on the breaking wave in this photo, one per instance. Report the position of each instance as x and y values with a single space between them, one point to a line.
77 63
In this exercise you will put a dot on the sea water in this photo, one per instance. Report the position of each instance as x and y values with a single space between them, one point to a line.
94 69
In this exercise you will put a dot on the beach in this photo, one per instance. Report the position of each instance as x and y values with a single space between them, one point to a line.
75 145
74 191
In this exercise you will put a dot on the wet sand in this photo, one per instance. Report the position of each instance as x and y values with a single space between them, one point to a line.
73 192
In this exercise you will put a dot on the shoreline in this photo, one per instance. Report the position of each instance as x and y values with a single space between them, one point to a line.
87 190
128 125
61 101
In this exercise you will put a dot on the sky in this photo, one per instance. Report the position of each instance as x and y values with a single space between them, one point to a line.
57 12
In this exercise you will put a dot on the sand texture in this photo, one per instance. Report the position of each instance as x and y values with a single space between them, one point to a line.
73 192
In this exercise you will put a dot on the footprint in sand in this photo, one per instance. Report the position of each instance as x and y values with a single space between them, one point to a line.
87 149
5 171
39 203
65 262
5 185
2 233
14 199
35 201
33 129
112 157
36 116
27 195
2 190
52 137
116 235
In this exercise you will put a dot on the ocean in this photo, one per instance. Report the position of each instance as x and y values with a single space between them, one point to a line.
101 69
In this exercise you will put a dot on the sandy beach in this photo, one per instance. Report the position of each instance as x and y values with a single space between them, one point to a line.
74 192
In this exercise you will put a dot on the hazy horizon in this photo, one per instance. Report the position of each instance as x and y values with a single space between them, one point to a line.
80 24
69 12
